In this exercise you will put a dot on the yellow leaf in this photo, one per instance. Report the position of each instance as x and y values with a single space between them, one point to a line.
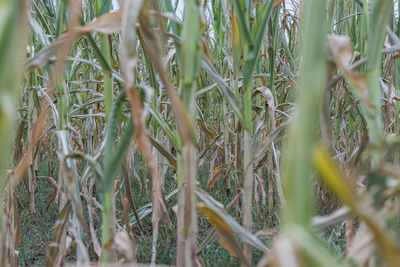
332 176
224 231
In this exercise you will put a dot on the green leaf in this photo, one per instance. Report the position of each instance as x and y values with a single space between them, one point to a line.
257 38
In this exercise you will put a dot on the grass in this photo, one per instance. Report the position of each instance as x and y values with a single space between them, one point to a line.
34 227
35 234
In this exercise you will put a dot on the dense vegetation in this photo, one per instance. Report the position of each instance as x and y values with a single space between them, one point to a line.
192 133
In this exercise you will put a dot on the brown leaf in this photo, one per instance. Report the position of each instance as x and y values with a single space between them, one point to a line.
269 99
95 241
215 172
131 10
224 232
204 128
124 244
243 233
342 53
152 47
58 249
207 50
277 3
106 24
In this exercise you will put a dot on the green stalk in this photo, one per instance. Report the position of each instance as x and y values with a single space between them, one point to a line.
297 169
248 179
187 219
107 226
113 157
103 7
380 16
251 50
112 113
248 186
365 27
108 90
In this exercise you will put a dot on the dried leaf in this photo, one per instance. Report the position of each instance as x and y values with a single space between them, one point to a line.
342 54
215 172
341 50
204 128
244 234
269 99
131 11
124 244
332 176
284 253
57 250
224 232
362 247
107 24
277 3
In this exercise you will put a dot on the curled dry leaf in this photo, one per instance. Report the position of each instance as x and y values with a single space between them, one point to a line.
269 99
342 53
341 50
214 175
124 244
389 91
107 24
